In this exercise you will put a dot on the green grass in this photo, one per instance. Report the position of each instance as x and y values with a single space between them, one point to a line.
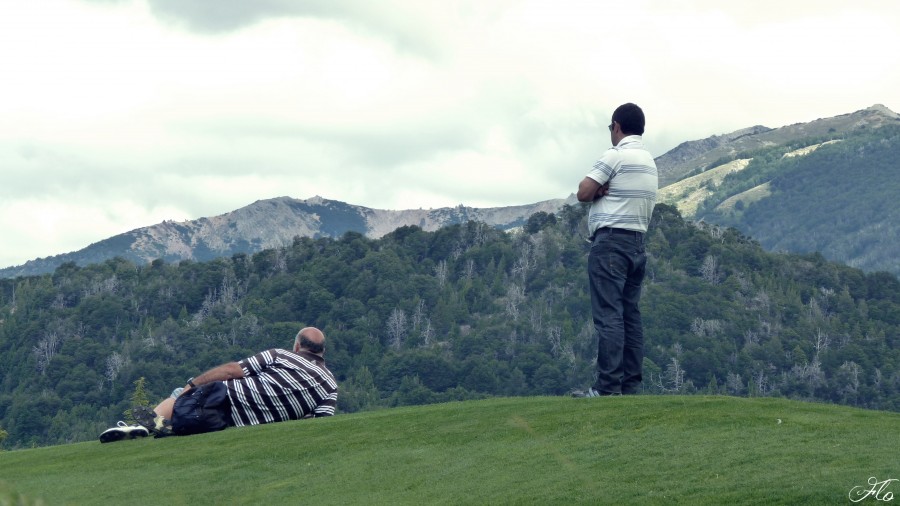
538 450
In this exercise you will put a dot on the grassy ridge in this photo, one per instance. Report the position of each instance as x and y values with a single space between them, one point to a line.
544 450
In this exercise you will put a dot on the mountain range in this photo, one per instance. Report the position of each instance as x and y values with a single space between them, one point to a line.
691 156
272 223
725 179
829 186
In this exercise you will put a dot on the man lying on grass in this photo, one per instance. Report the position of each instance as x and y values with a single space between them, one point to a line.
272 386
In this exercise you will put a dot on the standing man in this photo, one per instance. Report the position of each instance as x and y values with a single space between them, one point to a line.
622 190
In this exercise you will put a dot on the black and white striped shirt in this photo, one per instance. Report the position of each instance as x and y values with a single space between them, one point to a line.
280 385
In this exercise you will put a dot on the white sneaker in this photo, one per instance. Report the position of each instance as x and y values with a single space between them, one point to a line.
123 431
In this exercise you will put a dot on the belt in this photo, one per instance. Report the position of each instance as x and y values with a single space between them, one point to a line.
613 230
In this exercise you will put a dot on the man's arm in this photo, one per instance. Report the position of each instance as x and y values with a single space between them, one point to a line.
327 407
228 371
590 190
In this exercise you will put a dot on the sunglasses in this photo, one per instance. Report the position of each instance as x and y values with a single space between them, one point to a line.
611 126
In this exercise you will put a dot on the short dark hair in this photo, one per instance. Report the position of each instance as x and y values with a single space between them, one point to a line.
305 343
630 118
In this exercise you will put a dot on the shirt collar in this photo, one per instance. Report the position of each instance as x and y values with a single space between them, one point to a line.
631 142
311 356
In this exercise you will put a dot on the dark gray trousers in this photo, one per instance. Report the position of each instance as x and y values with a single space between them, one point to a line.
616 268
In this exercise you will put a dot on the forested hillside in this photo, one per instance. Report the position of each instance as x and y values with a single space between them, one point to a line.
839 200
464 312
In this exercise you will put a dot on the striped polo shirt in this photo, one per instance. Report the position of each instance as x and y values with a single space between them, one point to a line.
280 385
633 182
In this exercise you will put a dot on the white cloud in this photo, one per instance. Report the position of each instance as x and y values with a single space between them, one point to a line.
119 114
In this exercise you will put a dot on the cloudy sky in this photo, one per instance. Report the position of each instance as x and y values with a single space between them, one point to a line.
118 114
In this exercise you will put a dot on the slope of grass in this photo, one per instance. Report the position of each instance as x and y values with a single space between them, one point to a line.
687 194
748 197
546 450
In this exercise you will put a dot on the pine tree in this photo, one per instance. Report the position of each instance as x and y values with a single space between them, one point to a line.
138 398
713 387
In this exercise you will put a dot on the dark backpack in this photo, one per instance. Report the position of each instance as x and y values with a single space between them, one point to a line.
202 409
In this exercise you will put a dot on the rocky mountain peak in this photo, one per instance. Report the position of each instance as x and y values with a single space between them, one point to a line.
882 109
315 200
272 223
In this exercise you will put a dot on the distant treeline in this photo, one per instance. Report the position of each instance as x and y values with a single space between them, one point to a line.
464 312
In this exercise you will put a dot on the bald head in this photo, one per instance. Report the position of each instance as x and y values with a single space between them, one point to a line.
310 339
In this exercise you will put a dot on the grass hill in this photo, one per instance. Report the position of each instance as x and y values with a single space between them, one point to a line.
533 450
